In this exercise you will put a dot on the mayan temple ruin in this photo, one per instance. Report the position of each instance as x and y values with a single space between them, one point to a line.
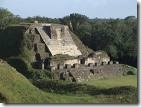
58 50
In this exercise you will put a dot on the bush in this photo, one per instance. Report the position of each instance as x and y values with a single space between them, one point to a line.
24 68
132 70
35 74
120 90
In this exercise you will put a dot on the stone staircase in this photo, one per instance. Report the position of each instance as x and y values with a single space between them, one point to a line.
81 75
68 37
65 45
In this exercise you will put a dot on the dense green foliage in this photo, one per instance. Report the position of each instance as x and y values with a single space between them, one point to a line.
11 41
132 71
118 37
25 68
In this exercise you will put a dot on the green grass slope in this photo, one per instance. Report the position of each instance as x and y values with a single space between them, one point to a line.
15 88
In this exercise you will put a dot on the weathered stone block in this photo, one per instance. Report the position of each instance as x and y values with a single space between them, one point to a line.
103 63
52 68
96 64
40 47
67 66
90 64
76 65
60 66
110 62
43 67
37 38
92 71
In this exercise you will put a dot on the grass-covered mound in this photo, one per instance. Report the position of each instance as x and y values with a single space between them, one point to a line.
15 88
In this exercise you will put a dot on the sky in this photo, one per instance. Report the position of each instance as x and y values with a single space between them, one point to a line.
61 8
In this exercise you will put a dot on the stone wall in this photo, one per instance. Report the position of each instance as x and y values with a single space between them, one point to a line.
79 73
97 57
71 62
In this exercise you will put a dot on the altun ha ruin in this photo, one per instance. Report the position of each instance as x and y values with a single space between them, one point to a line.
56 49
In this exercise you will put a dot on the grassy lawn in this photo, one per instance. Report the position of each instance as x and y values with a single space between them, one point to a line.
63 98
130 80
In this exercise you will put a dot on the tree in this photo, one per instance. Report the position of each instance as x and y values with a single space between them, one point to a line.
6 18
74 21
